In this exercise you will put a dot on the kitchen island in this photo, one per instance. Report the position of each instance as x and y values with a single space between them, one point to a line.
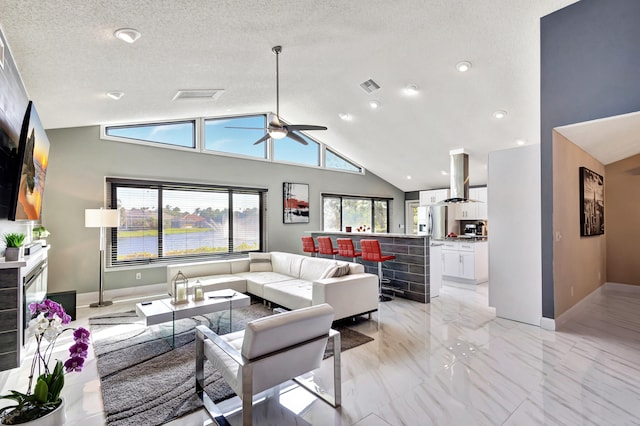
408 273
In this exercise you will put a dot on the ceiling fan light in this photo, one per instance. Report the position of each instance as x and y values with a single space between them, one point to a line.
277 133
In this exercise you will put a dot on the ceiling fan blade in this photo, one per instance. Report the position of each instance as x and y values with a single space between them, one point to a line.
296 138
248 128
294 127
262 139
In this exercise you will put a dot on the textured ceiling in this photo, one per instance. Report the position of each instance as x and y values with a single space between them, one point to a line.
68 59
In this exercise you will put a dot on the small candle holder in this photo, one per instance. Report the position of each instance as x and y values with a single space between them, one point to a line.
198 292
180 289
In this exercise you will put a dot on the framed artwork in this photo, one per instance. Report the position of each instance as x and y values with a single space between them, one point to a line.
591 203
296 202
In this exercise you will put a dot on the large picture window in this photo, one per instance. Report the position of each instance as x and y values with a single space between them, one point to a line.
342 211
161 221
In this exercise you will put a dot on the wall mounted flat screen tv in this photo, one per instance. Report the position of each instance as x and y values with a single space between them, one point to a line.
33 159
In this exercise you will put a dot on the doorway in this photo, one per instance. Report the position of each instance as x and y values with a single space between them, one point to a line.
411 217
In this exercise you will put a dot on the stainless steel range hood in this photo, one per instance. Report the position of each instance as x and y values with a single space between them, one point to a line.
459 174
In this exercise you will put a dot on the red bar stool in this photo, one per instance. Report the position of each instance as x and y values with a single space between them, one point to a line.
326 247
346 249
372 253
309 246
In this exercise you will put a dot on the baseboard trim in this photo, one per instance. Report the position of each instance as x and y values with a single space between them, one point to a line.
621 288
122 294
548 324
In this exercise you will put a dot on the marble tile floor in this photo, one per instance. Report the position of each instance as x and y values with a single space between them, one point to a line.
451 362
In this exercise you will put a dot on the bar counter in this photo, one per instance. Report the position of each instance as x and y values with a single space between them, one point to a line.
408 273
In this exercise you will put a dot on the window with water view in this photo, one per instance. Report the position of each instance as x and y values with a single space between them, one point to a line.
169 221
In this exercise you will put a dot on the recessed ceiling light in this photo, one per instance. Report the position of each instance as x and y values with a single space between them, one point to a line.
374 104
500 114
345 116
463 66
128 35
521 142
411 89
409 177
115 95
442 172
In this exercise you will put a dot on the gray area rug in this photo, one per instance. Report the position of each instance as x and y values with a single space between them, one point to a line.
144 382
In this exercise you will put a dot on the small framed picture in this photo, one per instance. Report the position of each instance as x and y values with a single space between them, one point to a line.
591 203
296 202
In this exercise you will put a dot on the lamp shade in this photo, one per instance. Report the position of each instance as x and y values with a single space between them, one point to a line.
101 218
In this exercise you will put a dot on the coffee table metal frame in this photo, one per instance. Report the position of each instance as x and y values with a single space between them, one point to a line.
162 310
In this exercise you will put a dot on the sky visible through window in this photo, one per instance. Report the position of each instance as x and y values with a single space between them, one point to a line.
178 134
235 135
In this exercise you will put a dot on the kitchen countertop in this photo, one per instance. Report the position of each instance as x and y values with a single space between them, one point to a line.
366 234
463 238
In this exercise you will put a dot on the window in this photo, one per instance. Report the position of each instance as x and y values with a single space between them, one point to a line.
231 136
219 137
161 221
289 151
180 133
370 214
338 162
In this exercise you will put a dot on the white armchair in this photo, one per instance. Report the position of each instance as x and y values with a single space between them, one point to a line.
268 352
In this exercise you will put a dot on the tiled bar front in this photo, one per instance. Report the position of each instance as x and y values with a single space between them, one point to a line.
408 272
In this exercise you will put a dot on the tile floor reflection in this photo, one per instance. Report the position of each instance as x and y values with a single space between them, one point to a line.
451 362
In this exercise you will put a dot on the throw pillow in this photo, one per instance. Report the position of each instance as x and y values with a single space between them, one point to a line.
336 270
260 262
341 270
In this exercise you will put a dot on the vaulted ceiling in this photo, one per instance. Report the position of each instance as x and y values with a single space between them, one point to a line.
69 58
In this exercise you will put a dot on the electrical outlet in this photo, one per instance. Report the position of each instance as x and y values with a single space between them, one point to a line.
571 291
139 277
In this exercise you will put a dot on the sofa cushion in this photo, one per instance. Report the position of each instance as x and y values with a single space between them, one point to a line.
256 280
287 263
260 262
219 282
293 294
314 268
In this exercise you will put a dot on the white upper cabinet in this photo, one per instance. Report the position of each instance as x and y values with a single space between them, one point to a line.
473 211
433 196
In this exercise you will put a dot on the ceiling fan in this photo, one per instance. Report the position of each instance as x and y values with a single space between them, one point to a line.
277 129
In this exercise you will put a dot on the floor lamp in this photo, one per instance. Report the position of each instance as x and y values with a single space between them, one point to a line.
101 218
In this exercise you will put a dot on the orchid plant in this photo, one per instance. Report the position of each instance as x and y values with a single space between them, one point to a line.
47 324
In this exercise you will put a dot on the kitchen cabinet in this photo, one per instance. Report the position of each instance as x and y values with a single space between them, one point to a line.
433 196
473 211
465 261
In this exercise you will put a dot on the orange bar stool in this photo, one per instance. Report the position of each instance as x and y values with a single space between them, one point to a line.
309 246
372 253
326 247
346 249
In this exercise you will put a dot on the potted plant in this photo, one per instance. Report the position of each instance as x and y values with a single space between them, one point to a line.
14 250
39 235
43 404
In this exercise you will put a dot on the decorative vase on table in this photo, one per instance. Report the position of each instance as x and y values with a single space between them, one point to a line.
12 254
56 417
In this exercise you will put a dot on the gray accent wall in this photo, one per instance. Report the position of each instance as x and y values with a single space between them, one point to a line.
80 161
590 57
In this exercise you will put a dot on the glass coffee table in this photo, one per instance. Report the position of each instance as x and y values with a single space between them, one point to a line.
162 310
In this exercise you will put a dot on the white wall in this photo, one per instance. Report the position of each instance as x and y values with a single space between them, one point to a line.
515 274
80 160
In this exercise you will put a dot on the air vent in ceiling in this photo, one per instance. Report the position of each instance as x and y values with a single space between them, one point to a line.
370 86
210 94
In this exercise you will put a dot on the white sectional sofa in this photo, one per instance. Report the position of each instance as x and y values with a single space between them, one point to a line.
288 280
